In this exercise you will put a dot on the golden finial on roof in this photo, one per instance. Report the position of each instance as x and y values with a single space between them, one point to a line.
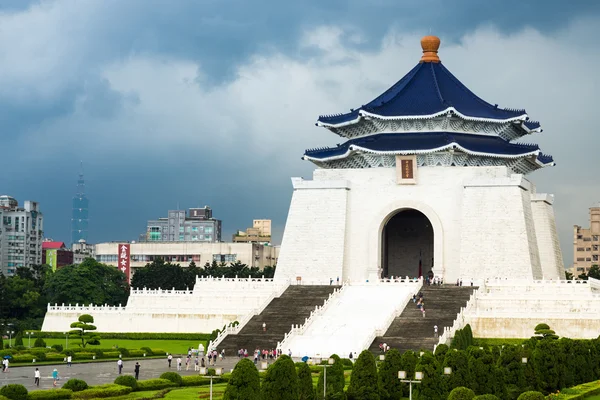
430 45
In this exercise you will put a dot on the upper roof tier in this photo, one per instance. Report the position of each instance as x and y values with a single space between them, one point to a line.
427 91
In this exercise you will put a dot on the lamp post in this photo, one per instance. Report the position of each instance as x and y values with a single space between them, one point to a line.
330 363
218 372
418 378
66 339
10 333
29 335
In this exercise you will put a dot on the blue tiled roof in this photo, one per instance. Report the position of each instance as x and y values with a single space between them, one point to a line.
412 143
428 89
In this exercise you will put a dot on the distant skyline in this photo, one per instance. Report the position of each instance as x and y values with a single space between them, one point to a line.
213 103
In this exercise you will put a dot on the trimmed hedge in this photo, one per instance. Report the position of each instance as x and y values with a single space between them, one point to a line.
75 385
173 377
102 391
461 393
51 394
196 380
126 380
531 395
3 397
486 397
154 384
135 335
14 391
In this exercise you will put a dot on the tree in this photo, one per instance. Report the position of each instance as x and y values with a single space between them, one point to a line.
568 275
431 386
440 353
81 331
244 383
461 393
364 380
19 339
531 396
458 361
39 342
281 380
594 272
513 370
161 274
335 380
543 331
88 283
483 372
390 387
305 383
546 357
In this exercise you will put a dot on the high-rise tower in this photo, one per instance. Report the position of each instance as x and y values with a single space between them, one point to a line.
79 217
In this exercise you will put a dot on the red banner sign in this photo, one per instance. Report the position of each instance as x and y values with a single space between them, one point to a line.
124 260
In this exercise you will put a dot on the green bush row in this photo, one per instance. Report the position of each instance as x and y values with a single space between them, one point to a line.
102 391
52 394
154 384
135 335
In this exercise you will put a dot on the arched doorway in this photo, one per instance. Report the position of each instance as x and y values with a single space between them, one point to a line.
407 245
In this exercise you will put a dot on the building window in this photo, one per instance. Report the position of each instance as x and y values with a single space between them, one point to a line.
595 247
208 229
587 239
588 249
580 259
181 229
595 238
580 249
187 229
225 257
207 237
194 237
194 229
181 237
595 257
588 259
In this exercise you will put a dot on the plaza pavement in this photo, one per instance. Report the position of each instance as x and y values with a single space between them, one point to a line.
100 372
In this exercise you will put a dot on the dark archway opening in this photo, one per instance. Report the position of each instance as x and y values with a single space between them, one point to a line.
407 245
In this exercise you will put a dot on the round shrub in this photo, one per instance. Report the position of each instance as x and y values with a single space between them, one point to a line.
3 397
39 342
211 372
486 397
147 350
57 347
461 393
14 392
127 380
173 377
76 385
531 396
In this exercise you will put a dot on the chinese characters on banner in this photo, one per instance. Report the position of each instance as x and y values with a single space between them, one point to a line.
124 260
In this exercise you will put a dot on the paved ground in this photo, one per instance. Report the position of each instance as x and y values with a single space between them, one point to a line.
97 373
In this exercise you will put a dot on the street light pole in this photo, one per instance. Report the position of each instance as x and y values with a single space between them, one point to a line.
218 372
66 340
29 335
330 363
10 333
418 378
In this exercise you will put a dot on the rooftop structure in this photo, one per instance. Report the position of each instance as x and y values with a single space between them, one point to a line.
198 226
260 232
429 113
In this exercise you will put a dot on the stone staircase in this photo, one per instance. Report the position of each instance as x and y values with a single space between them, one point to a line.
410 331
292 307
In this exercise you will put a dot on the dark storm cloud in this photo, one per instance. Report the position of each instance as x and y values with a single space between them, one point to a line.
213 102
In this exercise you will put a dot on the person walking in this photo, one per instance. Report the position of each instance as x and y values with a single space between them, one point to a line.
69 360
435 330
5 365
178 363
55 377
264 326
187 363
196 367
36 377
169 359
136 369
120 366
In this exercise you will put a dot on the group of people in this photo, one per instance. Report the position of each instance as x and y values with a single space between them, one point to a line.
435 281
420 301
199 361
260 354
136 368
459 282
382 346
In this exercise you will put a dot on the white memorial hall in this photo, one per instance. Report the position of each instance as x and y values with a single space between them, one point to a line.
429 182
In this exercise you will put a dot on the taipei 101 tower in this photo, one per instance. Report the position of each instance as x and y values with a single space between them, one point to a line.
79 216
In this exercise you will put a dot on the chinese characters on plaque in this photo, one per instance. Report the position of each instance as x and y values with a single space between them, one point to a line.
406 168
124 260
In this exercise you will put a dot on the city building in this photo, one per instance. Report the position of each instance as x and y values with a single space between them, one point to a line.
183 253
21 234
56 254
79 214
82 250
586 244
260 232
198 226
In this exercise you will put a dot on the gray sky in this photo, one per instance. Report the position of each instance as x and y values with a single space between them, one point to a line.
213 102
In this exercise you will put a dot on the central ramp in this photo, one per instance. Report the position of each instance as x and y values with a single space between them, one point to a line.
292 307
412 331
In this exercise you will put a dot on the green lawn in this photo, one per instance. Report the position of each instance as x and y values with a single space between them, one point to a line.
171 346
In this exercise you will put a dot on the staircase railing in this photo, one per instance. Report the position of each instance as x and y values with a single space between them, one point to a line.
319 310
459 322
234 330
